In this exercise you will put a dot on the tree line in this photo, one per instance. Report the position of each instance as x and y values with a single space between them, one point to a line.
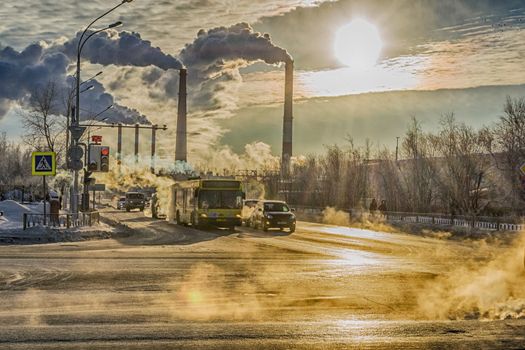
455 169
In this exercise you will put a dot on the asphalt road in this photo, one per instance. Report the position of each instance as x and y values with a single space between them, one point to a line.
161 286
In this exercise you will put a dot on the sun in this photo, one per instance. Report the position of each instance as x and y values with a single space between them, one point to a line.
358 44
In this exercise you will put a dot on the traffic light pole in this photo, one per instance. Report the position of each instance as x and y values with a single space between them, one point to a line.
137 128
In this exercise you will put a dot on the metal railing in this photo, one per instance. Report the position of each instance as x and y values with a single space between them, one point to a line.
479 222
61 220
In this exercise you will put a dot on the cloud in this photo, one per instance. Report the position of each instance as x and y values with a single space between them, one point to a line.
121 49
26 71
308 32
22 73
379 117
220 45
97 99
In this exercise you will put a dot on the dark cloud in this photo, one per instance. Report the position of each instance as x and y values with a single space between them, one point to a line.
22 73
379 117
121 49
97 99
213 48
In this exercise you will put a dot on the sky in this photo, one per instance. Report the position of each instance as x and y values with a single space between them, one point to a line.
430 57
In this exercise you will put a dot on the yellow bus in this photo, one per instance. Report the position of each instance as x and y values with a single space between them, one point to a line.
203 202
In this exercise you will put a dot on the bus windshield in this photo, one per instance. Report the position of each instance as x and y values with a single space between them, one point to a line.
220 199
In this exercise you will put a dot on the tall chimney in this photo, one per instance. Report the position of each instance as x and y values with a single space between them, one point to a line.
288 120
181 152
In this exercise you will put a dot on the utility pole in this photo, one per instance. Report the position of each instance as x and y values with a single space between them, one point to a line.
76 131
136 143
119 146
153 146
397 148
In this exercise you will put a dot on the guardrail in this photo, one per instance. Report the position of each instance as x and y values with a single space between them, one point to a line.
61 220
479 222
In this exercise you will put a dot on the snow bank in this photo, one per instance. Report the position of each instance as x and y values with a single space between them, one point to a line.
13 214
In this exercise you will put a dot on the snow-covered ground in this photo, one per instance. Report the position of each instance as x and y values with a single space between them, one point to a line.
11 227
14 213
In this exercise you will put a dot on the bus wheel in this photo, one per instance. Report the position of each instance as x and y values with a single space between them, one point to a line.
264 227
231 228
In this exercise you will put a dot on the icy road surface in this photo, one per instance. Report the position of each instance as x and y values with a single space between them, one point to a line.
161 286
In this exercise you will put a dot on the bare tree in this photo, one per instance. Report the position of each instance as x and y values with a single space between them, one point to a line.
462 164
44 127
390 186
419 172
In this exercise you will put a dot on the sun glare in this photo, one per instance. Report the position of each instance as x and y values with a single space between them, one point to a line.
358 44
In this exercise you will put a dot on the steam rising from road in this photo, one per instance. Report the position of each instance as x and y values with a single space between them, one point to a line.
480 291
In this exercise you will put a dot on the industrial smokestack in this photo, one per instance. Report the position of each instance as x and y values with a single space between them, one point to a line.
181 145
288 120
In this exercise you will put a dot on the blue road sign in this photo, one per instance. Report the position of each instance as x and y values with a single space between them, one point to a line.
43 163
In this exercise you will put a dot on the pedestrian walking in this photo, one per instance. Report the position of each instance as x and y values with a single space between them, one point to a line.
382 206
373 205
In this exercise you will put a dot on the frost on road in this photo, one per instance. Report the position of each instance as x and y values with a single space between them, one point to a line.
155 285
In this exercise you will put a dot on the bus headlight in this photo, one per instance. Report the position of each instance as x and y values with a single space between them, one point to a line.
238 216
204 215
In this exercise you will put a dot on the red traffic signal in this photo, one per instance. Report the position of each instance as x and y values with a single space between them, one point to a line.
104 159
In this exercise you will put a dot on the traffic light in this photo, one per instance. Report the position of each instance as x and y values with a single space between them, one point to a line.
94 158
88 180
98 158
104 159
93 165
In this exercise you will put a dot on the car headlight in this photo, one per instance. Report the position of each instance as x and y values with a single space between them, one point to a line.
269 216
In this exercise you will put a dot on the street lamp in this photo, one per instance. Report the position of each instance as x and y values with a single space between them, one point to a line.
80 46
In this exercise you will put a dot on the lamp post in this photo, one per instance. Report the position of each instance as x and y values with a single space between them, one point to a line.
76 119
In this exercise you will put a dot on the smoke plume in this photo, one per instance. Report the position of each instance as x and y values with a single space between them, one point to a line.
95 100
218 47
121 49
23 73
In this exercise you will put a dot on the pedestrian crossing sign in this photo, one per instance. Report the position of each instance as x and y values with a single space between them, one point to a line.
43 163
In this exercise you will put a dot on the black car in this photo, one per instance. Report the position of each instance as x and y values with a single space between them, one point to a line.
135 200
273 214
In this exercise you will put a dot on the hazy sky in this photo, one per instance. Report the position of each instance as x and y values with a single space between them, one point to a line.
426 46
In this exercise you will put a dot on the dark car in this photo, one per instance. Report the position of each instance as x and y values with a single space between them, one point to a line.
135 200
273 214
